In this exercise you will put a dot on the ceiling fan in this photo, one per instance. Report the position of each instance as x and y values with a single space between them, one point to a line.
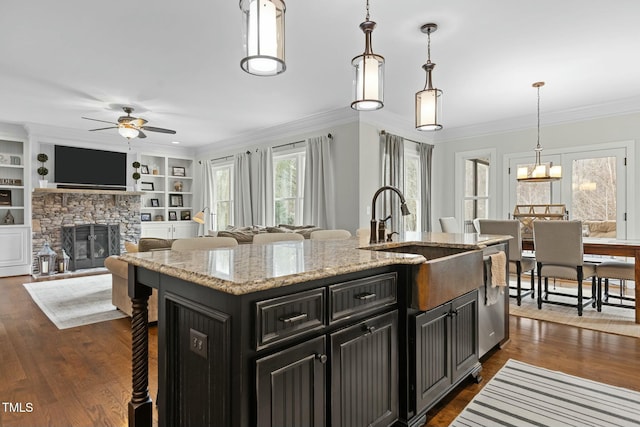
129 126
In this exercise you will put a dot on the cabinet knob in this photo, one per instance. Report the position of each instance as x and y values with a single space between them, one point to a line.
321 357
368 329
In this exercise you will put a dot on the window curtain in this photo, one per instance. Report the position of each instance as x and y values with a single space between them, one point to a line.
262 190
392 156
425 151
242 190
319 194
207 196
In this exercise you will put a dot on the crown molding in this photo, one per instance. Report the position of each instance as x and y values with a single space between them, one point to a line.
284 130
608 109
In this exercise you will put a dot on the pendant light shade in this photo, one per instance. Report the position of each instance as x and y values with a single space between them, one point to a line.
540 172
263 36
429 100
368 81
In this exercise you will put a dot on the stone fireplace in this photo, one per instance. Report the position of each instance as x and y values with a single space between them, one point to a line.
53 209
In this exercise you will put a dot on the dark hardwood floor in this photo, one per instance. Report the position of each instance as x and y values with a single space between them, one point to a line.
81 376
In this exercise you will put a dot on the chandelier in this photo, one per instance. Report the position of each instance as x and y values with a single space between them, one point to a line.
540 172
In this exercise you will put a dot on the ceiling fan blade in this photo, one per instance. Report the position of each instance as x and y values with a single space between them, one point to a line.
110 127
96 120
141 134
155 129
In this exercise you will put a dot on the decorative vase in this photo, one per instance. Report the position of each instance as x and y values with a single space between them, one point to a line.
43 183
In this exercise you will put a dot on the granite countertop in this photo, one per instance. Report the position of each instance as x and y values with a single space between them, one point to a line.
251 268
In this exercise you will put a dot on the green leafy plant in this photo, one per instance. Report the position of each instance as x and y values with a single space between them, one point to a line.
42 170
136 174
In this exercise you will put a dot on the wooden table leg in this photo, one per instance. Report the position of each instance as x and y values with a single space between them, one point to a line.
140 406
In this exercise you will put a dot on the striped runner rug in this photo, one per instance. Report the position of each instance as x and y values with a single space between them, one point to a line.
525 395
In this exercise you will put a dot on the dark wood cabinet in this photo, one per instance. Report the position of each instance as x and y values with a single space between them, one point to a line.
364 373
446 349
291 386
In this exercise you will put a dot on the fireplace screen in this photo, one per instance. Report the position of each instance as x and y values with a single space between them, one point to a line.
89 245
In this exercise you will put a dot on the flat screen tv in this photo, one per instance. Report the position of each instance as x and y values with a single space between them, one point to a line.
90 168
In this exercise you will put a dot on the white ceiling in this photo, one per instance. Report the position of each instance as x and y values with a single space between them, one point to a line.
177 63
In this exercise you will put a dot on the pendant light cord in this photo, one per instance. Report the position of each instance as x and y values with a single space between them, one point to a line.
538 144
367 18
429 47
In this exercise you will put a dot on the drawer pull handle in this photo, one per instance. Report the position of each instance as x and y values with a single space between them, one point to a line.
365 296
294 317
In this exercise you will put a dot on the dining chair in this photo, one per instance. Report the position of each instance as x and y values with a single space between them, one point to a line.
276 237
336 234
449 224
622 271
517 262
203 243
559 255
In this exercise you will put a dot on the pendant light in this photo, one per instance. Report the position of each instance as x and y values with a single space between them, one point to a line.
263 36
368 82
429 100
540 172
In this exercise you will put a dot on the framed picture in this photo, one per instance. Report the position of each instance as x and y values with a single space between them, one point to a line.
175 200
146 186
5 198
144 169
155 203
173 216
145 217
185 215
178 171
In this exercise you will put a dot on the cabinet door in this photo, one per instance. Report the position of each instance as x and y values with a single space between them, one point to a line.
183 230
364 373
291 386
432 360
160 230
464 319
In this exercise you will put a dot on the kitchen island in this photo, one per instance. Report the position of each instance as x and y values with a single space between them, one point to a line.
309 332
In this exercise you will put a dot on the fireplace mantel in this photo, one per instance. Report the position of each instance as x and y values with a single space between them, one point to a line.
88 191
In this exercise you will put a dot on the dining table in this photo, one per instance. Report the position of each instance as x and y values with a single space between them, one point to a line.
610 247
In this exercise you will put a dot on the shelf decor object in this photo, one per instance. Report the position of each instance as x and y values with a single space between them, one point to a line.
368 82
540 172
429 100
263 37
42 170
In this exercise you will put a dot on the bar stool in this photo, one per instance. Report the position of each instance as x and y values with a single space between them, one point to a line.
622 271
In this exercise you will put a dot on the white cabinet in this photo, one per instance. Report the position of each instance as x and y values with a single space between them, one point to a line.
167 202
169 230
15 230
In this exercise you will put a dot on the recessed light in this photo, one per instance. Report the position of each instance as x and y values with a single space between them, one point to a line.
175 142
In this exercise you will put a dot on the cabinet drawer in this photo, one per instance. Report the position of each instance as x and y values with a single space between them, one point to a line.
287 316
360 296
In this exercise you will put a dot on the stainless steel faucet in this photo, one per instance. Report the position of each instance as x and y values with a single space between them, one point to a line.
373 237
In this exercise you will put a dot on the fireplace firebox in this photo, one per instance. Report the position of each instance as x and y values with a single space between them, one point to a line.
89 245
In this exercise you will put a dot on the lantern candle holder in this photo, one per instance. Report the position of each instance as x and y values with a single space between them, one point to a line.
46 260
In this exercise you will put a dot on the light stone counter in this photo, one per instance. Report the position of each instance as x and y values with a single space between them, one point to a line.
250 268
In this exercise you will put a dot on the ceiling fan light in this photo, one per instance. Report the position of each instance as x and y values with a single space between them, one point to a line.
263 35
128 132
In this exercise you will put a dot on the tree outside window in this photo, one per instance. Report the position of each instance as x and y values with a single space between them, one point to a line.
223 195
412 190
288 183
476 190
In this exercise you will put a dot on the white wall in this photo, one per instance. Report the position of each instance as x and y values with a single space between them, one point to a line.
552 139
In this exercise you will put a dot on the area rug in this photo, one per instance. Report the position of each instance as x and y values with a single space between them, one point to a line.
75 302
524 395
614 320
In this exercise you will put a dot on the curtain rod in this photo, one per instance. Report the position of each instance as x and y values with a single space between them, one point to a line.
296 142
384 132
227 157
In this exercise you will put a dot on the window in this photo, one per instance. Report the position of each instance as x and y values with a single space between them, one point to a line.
222 195
288 183
476 190
412 190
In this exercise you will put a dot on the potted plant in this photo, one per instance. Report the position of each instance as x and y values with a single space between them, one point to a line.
136 176
42 170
